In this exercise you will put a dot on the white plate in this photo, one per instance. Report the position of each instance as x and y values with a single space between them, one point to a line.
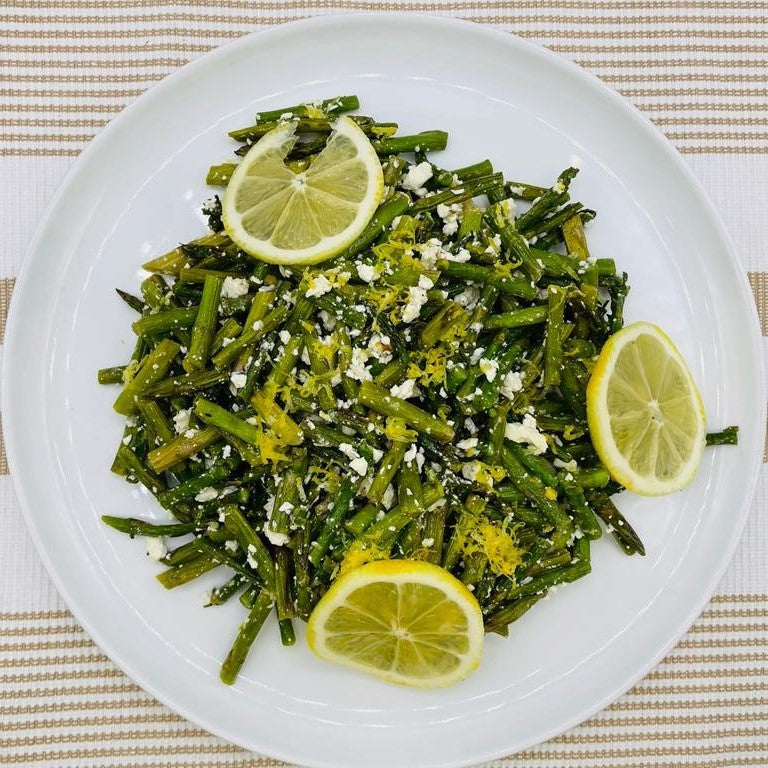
136 191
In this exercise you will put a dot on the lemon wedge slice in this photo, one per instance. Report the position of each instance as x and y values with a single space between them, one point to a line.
403 621
284 217
645 413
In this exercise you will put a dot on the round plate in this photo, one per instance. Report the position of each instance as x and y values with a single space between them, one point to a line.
136 191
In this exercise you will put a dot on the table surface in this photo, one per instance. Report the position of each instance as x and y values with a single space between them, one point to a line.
699 70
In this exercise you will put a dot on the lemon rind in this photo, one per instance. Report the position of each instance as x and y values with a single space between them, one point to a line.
598 417
328 247
400 572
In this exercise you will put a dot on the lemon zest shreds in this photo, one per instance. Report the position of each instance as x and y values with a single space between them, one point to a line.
498 542
400 243
324 478
486 474
395 429
359 554
270 448
335 278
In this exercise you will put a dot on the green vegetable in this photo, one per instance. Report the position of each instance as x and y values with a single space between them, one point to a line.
421 395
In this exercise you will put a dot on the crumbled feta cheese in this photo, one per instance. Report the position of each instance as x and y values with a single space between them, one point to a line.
470 426
527 432
489 367
207 494
509 206
318 286
477 353
431 251
285 336
405 390
511 384
286 507
238 380
469 471
226 451
366 272
388 499
181 420
328 320
427 542
348 450
417 176
461 255
359 465
190 433
276 538
425 282
231 546
357 369
234 287
417 298
569 466
156 548
410 454
468 445
468 297
380 347
450 216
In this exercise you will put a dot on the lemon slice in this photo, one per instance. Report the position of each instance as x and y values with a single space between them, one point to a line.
284 217
403 621
645 414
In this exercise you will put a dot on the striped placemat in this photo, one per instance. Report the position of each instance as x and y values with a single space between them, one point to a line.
699 70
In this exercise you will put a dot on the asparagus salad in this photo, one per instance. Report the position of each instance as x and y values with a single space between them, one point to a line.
393 400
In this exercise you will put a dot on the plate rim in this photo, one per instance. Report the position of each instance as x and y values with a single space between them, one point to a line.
512 40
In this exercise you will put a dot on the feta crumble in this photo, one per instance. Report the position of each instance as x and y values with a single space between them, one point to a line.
417 176
380 347
569 466
181 420
318 286
405 390
329 321
234 287
276 538
450 216
461 256
511 384
238 380
357 369
431 251
489 367
366 272
388 499
527 432
156 548
417 298
207 494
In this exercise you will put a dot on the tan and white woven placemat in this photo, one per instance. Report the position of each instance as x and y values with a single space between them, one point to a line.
699 70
